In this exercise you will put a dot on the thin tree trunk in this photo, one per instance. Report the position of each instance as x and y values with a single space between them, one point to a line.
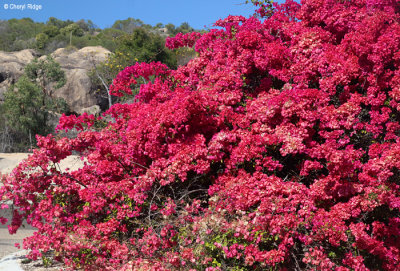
102 82
30 138
108 91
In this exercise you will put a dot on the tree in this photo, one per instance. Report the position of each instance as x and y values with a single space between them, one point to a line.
51 31
24 110
58 23
129 25
185 28
15 32
100 75
277 148
29 104
171 29
7 137
72 30
41 40
140 46
47 73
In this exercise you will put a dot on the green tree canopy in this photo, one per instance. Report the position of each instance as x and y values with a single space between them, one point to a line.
47 73
129 25
23 107
41 40
29 103
51 30
142 46
15 34
58 23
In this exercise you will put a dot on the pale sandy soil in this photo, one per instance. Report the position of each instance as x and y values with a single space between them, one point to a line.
8 161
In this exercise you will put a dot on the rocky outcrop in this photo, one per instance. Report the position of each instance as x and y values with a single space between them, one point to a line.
76 64
92 110
77 91
12 67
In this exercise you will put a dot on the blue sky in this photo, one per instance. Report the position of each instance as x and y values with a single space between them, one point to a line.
104 12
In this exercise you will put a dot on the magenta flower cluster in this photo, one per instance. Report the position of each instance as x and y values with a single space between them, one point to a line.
277 148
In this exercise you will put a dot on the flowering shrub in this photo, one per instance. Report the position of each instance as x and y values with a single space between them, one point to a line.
276 148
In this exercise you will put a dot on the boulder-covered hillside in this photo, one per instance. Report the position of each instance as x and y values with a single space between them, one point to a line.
78 91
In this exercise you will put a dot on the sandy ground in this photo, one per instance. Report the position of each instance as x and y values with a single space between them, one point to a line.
8 161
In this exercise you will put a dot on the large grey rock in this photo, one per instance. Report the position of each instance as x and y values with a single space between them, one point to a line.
76 64
12 67
77 91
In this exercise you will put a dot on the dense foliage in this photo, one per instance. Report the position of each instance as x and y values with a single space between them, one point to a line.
30 104
139 46
19 34
129 41
276 148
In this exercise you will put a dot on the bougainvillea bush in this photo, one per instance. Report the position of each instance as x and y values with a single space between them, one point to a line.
277 148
